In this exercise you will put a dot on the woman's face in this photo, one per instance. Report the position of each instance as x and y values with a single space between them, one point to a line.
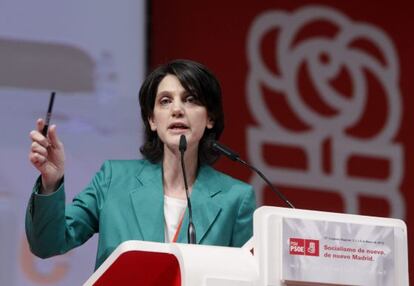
177 112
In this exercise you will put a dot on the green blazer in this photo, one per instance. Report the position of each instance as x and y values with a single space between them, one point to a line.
125 201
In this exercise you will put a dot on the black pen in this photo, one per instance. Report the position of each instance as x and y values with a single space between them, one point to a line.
49 113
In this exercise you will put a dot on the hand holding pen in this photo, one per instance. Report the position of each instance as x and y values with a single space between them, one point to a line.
47 152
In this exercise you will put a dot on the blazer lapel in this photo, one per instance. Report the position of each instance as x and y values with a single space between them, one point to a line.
205 209
148 203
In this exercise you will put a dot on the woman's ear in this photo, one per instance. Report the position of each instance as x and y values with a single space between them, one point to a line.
210 123
152 123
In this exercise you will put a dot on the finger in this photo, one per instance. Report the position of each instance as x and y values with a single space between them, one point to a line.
53 137
37 148
36 136
40 123
37 160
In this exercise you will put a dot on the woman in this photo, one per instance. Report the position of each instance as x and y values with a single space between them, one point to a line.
145 199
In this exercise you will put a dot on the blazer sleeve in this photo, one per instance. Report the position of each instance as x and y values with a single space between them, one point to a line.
243 228
53 228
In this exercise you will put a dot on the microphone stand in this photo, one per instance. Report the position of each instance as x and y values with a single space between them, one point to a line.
191 233
235 157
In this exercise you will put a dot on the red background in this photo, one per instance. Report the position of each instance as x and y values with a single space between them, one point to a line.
215 33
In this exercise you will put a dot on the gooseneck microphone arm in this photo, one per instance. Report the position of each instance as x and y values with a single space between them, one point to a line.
235 157
191 233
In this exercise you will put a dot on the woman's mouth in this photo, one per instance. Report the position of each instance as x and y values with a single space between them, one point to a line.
178 127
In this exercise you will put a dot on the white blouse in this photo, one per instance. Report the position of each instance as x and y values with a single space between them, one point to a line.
173 212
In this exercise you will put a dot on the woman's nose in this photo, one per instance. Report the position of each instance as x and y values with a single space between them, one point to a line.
177 108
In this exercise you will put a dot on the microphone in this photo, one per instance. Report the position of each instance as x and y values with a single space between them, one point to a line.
191 233
226 151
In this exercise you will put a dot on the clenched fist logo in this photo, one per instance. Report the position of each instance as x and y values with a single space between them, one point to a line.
337 80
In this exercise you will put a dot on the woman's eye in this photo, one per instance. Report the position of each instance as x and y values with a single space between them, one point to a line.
190 99
164 101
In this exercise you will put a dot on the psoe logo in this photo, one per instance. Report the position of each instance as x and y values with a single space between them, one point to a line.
300 246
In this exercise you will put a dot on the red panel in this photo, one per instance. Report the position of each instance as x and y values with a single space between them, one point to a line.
144 269
216 33
305 198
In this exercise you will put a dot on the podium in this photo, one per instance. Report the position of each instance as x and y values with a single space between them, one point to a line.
290 247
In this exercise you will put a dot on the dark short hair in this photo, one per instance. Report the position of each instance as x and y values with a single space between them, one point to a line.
199 82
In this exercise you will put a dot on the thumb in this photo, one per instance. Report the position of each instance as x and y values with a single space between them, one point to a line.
53 137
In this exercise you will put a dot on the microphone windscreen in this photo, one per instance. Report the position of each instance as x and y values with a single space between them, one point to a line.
225 150
183 143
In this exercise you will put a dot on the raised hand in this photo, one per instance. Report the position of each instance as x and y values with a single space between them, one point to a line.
47 155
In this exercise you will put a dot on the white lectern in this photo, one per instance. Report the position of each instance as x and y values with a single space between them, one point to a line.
291 247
